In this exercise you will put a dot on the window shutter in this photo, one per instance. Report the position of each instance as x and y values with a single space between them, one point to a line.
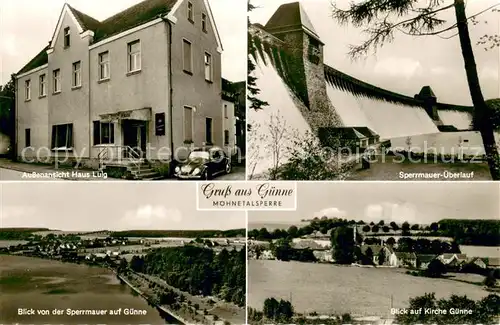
112 132
69 144
53 142
97 132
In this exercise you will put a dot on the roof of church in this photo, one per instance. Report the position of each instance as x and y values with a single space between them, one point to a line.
291 16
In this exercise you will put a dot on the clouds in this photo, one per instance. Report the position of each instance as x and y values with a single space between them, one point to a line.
12 212
150 217
330 213
398 67
407 63
389 211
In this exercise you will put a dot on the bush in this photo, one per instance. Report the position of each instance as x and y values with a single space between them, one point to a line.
163 170
309 160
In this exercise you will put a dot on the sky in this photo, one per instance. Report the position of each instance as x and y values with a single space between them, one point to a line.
408 63
415 202
111 206
22 39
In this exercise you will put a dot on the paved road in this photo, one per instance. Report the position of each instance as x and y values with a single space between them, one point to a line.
238 174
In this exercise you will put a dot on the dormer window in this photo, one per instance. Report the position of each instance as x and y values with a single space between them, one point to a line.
67 37
204 22
190 13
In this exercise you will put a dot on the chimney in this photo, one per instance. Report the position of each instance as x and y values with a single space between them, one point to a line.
306 72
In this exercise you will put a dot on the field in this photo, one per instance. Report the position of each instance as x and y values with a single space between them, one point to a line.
44 284
330 289
7 243
480 251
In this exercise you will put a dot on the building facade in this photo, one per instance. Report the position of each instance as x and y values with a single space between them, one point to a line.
144 83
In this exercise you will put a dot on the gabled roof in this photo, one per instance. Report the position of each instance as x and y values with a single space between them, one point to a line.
448 256
129 18
40 59
134 16
85 21
425 258
291 16
308 244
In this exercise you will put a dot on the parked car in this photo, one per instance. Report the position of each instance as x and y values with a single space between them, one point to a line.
204 164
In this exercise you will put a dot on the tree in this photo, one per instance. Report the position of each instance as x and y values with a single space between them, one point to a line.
381 223
405 226
391 241
387 17
343 245
375 228
434 226
394 226
271 306
381 257
385 229
366 228
285 311
252 90
435 269
369 254
415 227
278 134
293 231
310 160
7 114
490 280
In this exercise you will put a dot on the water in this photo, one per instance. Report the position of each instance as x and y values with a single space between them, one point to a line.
40 285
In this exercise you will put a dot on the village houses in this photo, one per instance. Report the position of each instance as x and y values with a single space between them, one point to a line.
140 85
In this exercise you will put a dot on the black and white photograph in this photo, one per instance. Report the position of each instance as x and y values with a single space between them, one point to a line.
90 253
378 253
373 90
133 89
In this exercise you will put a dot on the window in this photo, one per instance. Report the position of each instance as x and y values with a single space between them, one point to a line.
27 137
225 110
104 65
57 80
43 85
226 137
62 137
77 74
188 59
314 50
27 89
67 37
104 133
208 67
208 130
204 22
190 12
134 56
188 124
